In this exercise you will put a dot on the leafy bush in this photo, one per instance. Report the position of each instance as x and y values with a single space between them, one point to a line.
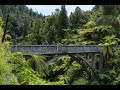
25 74
80 81
6 75
111 74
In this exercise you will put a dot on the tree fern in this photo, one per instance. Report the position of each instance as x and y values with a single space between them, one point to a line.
38 64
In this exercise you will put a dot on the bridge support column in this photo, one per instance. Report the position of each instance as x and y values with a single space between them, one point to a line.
93 60
92 63
89 58
100 63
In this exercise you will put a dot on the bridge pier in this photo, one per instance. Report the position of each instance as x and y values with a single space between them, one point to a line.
98 62
94 60
101 63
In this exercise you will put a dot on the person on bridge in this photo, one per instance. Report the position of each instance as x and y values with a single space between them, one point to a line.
45 43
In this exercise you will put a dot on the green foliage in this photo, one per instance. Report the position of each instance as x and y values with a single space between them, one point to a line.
109 42
29 77
20 21
63 22
38 33
37 63
61 63
90 24
64 78
56 83
51 24
3 55
1 22
110 9
26 75
112 40
4 67
96 12
80 81
88 36
73 70
6 77
75 18
109 20
110 75
65 69
63 18
97 27
17 62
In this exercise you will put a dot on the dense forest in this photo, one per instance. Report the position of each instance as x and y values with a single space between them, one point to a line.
100 26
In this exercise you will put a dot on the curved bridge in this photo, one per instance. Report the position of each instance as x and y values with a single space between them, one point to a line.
88 53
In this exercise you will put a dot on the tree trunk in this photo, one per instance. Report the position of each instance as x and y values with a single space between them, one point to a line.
3 38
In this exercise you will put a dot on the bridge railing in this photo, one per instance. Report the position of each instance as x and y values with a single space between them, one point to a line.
53 49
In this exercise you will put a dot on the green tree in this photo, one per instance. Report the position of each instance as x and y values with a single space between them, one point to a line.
38 33
75 18
50 28
63 22
6 75
109 18
78 18
109 9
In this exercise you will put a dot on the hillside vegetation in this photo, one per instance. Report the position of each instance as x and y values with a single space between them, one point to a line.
100 26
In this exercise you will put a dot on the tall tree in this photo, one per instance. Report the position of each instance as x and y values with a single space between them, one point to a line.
77 19
109 17
50 28
38 33
110 9
63 22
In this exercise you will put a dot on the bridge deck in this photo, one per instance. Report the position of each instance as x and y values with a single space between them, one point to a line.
55 49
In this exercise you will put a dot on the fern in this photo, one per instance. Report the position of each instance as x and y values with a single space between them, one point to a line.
38 64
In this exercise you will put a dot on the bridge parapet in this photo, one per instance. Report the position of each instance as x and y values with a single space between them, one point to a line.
55 49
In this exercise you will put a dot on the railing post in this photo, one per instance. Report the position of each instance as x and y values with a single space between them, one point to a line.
31 48
57 47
